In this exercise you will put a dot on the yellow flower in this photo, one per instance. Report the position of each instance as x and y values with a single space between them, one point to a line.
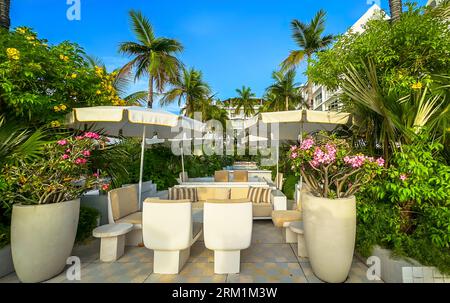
13 53
73 76
417 85
56 108
55 124
64 58
21 30
63 107
30 38
98 92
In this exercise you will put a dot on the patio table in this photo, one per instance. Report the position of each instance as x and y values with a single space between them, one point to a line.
112 240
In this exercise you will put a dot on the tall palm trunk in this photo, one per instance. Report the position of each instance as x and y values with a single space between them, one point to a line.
5 22
150 92
309 87
287 102
395 7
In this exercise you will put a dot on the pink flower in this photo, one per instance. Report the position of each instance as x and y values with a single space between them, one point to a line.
92 135
96 175
294 155
68 150
65 157
293 147
79 138
403 177
380 161
105 187
80 161
307 144
355 161
86 153
62 142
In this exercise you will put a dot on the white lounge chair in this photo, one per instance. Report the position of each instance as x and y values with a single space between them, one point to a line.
227 230
123 207
169 230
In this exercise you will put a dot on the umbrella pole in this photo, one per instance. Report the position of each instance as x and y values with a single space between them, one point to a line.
182 164
141 168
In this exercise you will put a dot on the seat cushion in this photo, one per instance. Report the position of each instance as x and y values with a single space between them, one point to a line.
123 201
181 193
239 193
262 209
240 176
134 218
279 217
207 193
259 194
157 200
245 200
221 176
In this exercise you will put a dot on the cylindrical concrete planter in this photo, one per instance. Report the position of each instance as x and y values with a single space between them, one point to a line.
329 231
42 238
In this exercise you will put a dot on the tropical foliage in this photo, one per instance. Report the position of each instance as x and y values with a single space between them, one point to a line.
407 208
151 56
63 176
329 167
245 101
309 38
39 83
284 93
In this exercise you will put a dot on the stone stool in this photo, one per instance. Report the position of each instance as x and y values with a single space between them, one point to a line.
297 228
112 240
282 219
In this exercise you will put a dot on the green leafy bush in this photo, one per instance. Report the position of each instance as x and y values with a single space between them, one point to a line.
408 208
86 223
289 186
40 83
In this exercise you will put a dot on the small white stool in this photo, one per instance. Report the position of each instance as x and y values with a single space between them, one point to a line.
297 228
112 240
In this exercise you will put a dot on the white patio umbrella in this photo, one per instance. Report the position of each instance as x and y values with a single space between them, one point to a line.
132 121
292 124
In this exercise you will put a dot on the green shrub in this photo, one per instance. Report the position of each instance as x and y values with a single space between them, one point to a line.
408 209
289 186
86 223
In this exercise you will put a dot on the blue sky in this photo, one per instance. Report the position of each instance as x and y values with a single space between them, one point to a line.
232 42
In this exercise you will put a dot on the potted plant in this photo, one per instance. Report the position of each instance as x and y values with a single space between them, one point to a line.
46 205
333 175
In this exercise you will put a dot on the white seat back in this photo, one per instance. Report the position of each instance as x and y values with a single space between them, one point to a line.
227 226
167 225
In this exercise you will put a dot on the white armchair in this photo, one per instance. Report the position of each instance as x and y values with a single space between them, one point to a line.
227 230
169 230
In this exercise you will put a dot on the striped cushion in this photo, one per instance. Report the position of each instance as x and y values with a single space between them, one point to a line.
182 193
259 194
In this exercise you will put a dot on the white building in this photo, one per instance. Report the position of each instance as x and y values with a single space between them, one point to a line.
325 99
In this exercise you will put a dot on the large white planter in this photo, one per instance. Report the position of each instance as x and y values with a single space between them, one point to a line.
42 238
329 231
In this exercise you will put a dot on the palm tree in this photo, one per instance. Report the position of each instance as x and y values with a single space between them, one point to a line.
189 88
285 90
395 6
310 40
152 56
245 101
5 22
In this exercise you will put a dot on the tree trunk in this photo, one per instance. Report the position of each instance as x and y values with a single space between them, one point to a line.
309 88
150 92
395 6
287 102
5 22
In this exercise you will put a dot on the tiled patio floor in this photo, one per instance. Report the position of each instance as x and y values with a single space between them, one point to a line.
267 260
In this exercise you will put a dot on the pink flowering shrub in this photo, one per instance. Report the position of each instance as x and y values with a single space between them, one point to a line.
62 175
330 169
